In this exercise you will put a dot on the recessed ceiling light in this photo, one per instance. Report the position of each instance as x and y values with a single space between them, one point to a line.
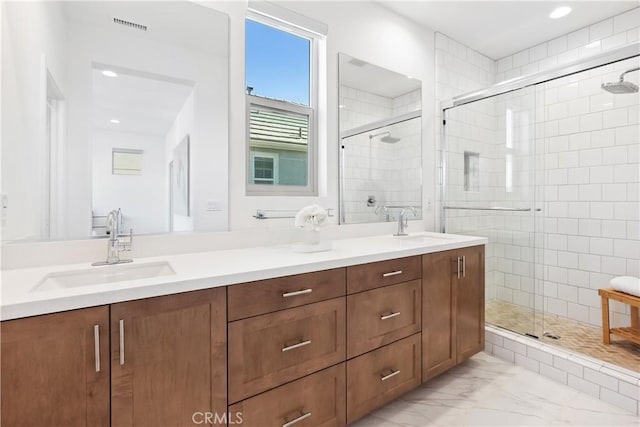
559 12
109 73
114 121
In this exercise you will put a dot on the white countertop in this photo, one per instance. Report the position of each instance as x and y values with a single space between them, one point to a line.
204 270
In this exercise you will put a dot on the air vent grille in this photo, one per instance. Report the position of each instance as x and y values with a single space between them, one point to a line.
129 24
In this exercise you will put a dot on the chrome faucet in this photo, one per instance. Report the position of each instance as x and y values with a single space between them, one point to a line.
117 242
403 223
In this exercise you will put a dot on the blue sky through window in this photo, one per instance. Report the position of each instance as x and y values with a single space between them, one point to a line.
277 63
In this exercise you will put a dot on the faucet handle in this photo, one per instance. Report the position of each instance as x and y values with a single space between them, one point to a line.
125 245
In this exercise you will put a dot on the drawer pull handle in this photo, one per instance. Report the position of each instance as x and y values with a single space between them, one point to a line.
296 293
96 345
392 273
392 374
297 420
294 346
389 316
121 324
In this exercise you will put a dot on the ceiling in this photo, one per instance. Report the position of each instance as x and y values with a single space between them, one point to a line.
142 104
184 24
502 28
373 79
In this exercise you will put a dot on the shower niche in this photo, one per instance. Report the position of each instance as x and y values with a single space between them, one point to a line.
380 142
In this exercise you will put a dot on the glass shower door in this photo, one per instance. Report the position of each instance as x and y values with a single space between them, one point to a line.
490 186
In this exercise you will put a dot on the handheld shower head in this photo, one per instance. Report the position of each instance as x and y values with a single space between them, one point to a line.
386 138
621 86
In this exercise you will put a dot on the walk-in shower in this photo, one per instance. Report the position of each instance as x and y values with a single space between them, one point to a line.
547 168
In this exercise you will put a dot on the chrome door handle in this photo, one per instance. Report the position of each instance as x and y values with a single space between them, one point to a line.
392 273
96 346
295 293
298 345
464 266
392 374
389 316
121 341
297 420
458 267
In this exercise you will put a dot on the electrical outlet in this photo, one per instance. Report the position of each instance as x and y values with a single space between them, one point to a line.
213 206
4 206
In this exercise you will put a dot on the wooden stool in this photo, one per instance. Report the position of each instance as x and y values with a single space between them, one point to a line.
630 333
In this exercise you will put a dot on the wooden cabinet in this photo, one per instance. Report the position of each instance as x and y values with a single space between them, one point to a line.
315 400
168 358
381 316
55 369
266 296
382 375
269 350
452 308
376 274
470 303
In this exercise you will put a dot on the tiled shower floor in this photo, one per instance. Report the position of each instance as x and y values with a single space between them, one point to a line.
574 336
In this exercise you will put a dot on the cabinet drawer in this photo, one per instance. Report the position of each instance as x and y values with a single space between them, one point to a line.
376 274
376 378
266 296
269 350
380 316
316 400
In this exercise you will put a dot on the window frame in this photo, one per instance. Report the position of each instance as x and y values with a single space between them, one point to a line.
273 156
311 111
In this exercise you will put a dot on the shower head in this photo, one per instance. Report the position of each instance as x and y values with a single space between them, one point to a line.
386 138
621 86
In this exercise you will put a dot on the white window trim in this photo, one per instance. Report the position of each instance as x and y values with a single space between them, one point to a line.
311 189
276 160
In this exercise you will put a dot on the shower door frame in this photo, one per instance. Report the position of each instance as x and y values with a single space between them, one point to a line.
612 56
627 51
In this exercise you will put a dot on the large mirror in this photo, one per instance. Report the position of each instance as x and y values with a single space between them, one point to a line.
112 105
381 143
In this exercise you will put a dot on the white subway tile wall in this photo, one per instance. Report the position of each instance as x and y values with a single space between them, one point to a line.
586 173
389 172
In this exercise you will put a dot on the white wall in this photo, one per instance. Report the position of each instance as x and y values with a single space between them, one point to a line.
364 30
182 126
143 198
33 41
209 147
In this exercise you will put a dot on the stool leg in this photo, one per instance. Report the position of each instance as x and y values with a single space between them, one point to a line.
605 320
635 323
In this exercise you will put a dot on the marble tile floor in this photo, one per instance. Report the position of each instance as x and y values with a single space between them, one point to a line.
575 336
485 391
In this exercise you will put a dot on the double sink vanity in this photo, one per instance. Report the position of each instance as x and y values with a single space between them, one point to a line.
258 336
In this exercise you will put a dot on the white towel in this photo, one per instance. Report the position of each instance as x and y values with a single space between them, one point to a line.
626 284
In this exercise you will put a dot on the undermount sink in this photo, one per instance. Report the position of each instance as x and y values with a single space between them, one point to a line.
103 274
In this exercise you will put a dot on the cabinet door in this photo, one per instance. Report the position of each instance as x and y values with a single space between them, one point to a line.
470 303
269 350
438 313
381 316
168 359
55 369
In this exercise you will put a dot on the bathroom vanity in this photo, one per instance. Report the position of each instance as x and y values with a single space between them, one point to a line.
258 336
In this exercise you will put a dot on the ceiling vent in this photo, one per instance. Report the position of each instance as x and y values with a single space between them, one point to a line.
130 24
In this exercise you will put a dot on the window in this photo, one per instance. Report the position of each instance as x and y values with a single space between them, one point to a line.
281 108
264 168
126 162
